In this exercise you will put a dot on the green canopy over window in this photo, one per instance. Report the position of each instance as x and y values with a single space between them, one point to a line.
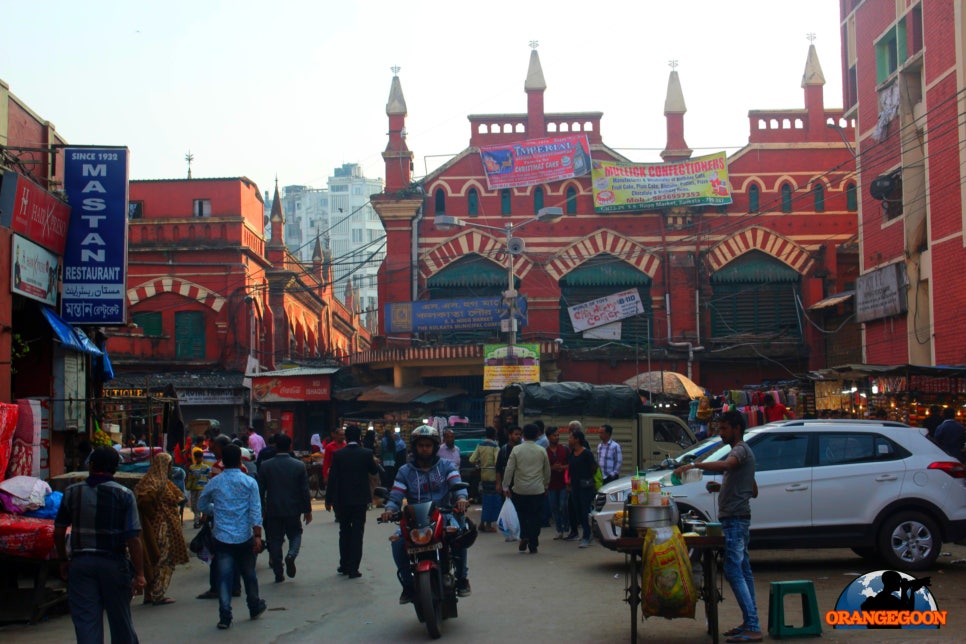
612 272
755 267
470 272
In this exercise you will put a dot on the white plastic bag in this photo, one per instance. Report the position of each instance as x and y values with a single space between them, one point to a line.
508 522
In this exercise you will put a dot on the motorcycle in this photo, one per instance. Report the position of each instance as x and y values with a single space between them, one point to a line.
429 540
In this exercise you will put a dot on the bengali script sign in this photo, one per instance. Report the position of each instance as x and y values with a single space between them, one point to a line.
702 181
503 365
605 310
95 259
451 315
536 161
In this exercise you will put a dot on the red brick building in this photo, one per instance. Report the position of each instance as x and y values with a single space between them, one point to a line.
206 292
726 290
903 75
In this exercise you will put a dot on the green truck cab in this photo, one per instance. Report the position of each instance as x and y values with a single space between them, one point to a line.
645 438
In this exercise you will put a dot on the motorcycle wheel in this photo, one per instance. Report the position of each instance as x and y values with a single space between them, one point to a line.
429 602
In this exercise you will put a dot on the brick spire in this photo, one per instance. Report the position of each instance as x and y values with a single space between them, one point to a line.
674 110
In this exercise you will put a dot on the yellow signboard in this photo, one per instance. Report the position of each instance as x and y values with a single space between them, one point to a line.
504 365
702 181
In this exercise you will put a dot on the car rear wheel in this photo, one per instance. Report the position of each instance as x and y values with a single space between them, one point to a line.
909 541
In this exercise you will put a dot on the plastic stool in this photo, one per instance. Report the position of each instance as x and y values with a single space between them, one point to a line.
776 609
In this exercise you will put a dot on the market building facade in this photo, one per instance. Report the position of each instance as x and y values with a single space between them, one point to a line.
724 290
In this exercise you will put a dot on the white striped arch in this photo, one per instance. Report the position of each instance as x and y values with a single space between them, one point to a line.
601 242
190 290
466 242
764 240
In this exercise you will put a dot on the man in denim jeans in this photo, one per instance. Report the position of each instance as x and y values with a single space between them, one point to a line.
233 499
734 511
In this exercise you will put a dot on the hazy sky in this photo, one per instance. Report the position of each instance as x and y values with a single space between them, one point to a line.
295 89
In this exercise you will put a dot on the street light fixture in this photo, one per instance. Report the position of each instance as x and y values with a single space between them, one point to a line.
514 246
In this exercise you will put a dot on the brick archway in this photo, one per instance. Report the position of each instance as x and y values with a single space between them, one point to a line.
764 240
603 241
471 241
187 289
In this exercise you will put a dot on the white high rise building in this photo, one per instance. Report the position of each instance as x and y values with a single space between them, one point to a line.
356 236
306 212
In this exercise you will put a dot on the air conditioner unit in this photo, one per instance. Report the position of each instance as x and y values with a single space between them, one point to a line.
516 245
882 187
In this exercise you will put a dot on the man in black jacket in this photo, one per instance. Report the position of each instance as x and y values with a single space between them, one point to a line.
348 492
285 496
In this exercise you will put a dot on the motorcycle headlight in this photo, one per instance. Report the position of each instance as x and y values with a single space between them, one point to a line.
421 536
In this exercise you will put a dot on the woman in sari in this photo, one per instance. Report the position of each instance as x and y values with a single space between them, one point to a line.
159 502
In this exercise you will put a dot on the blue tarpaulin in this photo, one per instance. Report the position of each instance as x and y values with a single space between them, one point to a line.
70 337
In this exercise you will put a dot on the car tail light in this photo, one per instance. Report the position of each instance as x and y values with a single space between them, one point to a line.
954 468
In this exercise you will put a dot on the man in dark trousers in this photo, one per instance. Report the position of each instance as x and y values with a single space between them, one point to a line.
106 561
348 492
285 499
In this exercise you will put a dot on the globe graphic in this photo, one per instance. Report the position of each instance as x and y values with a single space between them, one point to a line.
869 585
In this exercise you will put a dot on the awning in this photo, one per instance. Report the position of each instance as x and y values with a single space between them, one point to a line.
70 337
832 300
612 273
421 394
468 272
755 268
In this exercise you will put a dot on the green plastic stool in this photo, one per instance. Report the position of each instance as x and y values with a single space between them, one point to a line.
776 609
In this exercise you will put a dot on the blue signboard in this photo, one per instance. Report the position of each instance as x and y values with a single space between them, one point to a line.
95 260
451 315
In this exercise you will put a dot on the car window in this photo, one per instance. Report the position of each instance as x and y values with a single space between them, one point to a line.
779 451
666 431
836 449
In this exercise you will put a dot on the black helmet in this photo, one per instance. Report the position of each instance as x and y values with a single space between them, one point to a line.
424 431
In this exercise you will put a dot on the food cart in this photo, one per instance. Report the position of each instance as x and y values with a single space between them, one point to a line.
706 549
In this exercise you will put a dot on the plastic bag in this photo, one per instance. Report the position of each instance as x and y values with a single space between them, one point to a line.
508 522
202 543
667 587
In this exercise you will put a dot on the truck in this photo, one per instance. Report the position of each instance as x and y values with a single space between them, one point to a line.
646 438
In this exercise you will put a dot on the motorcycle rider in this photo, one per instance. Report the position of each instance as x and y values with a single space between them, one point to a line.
426 476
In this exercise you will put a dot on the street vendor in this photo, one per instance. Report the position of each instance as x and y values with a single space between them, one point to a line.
738 487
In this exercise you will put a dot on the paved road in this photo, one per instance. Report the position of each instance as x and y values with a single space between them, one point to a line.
562 594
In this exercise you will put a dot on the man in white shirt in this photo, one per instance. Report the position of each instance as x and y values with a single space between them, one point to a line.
609 455
448 449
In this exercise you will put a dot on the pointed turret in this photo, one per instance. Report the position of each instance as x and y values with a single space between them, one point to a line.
317 260
398 158
813 82
674 110
277 219
535 86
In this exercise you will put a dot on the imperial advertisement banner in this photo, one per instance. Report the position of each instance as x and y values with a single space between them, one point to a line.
452 315
536 161
35 271
701 181
28 209
95 260
504 365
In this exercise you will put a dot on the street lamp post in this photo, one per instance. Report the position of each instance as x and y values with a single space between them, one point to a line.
547 215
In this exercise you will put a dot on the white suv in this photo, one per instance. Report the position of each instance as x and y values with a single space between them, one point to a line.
880 488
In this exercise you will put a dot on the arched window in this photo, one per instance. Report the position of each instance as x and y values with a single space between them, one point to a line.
754 195
505 202
819 193
571 201
440 201
473 202
537 199
851 198
786 198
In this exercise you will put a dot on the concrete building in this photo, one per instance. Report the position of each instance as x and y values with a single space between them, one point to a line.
306 219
